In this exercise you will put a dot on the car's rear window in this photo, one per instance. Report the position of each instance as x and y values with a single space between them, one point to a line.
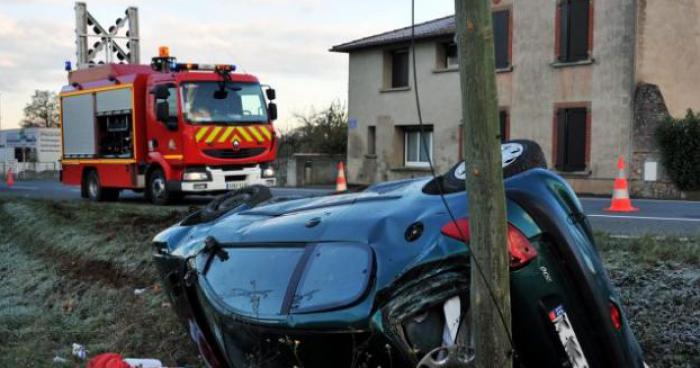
336 275
253 281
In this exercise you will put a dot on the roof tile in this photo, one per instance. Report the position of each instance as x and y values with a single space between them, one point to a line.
436 27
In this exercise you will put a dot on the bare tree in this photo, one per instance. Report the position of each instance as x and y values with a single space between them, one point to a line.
319 132
41 111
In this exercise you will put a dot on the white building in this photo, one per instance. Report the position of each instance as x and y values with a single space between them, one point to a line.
37 149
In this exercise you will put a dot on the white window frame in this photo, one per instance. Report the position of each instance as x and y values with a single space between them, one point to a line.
419 164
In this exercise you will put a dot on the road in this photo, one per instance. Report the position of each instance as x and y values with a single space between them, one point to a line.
658 217
51 189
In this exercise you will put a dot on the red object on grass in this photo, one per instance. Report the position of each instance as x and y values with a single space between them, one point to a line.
10 178
108 360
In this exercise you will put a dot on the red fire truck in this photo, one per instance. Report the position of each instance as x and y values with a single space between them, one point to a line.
167 129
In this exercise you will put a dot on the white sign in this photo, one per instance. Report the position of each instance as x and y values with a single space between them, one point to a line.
650 171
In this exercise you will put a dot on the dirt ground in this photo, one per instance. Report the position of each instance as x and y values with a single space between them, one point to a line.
69 271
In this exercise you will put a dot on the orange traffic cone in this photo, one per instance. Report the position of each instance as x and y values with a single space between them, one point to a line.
341 185
10 179
621 196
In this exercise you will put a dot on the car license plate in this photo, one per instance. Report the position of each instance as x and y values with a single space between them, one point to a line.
235 185
568 338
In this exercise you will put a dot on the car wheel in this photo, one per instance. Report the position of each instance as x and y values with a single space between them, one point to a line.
516 156
157 191
95 191
247 197
521 155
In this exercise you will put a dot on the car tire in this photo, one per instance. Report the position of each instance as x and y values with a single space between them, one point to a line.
529 156
247 197
95 191
518 156
157 191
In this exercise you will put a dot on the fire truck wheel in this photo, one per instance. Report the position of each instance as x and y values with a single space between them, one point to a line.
157 191
94 190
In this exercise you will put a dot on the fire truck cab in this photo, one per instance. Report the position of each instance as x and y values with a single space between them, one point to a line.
167 129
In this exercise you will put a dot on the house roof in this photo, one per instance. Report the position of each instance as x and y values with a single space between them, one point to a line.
444 26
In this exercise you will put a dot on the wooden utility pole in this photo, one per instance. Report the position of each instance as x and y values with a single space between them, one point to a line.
487 212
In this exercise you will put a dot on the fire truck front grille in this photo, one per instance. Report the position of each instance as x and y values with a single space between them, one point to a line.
229 153
229 178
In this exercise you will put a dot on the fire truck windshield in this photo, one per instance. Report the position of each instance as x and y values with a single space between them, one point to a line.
244 103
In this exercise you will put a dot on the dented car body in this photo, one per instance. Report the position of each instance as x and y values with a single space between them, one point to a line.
381 278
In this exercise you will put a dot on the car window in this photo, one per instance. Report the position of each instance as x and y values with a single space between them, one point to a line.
337 274
253 281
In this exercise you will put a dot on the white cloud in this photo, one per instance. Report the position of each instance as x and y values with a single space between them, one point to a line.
284 43
31 55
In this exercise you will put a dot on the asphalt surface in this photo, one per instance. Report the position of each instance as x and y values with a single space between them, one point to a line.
656 217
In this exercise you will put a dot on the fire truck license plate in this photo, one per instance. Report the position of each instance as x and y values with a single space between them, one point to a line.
568 338
234 185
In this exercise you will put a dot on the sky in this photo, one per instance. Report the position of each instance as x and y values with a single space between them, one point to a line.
284 43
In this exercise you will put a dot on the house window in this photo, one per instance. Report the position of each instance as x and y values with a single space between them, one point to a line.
450 51
371 140
501 38
25 154
571 139
399 68
573 30
504 126
447 53
415 145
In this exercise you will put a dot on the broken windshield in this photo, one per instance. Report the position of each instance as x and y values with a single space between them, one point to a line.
244 103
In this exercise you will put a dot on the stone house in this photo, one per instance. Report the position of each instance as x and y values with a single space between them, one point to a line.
589 80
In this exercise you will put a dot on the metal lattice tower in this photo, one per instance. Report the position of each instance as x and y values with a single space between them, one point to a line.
110 44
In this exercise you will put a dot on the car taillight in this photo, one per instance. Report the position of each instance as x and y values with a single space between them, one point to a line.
520 249
615 316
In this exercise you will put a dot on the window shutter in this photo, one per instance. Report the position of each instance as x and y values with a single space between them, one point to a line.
578 43
563 30
501 20
561 140
576 139
503 120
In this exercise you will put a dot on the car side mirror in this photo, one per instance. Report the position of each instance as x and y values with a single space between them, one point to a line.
271 94
272 111
161 92
163 115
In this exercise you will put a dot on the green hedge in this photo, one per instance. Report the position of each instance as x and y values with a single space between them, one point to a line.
679 142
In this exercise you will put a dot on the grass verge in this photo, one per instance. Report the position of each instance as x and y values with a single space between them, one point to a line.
68 272
659 281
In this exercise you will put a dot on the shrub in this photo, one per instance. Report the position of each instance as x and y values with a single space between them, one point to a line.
679 142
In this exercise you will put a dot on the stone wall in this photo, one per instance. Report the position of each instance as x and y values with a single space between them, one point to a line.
649 112
307 169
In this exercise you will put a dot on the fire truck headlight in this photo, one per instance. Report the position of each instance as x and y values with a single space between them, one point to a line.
199 175
268 172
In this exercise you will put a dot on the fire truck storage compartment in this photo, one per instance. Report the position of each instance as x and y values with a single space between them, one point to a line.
98 125
113 117
79 126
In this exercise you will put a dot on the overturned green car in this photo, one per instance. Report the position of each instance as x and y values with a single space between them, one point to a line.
380 278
